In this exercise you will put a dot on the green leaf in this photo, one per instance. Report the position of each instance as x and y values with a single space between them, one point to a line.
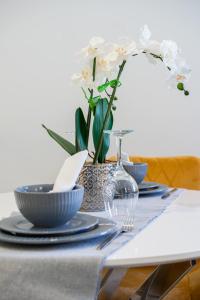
93 102
112 83
180 86
100 112
103 87
66 145
81 130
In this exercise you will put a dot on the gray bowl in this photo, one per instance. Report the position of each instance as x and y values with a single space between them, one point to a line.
136 170
45 209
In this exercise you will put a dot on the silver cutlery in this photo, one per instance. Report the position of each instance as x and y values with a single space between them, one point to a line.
107 241
168 193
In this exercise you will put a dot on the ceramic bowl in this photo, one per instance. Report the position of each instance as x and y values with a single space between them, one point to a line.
45 209
136 170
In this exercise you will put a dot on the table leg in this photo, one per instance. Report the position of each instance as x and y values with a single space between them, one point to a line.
162 280
111 281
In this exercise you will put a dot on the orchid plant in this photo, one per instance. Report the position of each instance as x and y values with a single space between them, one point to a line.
101 77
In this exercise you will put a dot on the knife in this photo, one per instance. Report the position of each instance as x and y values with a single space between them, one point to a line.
109 239
167 194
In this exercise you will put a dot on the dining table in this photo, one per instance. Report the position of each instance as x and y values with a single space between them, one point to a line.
170 242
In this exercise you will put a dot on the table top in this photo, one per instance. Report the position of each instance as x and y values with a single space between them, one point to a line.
169 238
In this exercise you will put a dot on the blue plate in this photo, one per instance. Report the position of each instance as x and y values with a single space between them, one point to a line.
18 225
147 185
103 228
160 189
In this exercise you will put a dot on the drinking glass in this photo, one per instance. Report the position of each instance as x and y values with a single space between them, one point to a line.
121 203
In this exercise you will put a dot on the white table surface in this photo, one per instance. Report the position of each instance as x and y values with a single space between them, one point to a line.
174 236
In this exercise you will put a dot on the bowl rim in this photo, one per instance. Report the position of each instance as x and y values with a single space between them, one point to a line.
135 164
77 188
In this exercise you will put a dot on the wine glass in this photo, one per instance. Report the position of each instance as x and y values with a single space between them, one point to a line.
121 203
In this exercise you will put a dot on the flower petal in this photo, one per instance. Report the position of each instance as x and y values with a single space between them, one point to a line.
145 35
96 41
169 51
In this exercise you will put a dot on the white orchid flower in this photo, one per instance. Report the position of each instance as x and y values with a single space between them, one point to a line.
169 52
107 62
104 69
84 78
126 49
103 64
147 45
180 72
122 51
112 56
183 71
94 48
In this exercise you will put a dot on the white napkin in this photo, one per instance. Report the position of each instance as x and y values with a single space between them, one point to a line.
69 172
125 159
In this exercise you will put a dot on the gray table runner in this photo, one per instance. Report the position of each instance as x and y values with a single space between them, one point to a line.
65 272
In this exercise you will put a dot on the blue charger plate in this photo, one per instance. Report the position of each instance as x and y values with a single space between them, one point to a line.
160 189
104 227
18 225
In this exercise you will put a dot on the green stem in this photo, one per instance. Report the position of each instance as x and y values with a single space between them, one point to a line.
84 92
94 69
154 55
91 96
159 57
88 123
121 67
107 94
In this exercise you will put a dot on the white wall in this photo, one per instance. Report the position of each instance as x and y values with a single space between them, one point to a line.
38 40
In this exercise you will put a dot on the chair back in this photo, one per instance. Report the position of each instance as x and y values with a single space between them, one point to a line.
177 171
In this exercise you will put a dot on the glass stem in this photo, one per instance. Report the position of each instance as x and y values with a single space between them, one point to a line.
119 151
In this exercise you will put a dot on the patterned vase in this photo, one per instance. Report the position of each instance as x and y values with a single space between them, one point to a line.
96 180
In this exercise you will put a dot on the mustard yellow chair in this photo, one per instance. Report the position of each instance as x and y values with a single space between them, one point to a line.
179 171
183 172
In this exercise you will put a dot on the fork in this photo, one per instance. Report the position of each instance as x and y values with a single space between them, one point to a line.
107 241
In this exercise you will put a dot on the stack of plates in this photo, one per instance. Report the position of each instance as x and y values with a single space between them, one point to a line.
82 227
151 188
17 230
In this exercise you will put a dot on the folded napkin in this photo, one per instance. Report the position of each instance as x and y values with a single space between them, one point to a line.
69 172
125 159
